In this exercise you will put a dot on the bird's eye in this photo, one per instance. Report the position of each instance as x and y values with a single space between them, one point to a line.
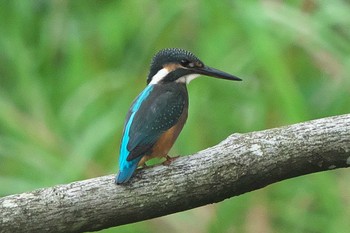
185 62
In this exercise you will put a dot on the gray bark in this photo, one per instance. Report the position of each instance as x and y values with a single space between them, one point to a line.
239 164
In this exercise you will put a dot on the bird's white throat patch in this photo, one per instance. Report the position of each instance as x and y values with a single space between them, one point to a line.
187 78
161 74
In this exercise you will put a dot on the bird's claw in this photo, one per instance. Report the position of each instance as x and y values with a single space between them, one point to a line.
169 160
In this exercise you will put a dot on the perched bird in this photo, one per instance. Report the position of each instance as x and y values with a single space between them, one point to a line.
159 112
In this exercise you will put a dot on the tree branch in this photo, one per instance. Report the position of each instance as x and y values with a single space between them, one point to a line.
239 164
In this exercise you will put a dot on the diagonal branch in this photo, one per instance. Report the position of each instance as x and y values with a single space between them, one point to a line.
239 164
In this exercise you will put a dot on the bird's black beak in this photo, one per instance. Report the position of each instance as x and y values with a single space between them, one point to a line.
208 71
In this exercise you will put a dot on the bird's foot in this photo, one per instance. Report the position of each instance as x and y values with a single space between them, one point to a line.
169 160
143 166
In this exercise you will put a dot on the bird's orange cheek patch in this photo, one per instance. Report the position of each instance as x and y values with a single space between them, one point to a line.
171 67
198 64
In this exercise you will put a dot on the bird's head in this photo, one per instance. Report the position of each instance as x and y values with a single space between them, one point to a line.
179 65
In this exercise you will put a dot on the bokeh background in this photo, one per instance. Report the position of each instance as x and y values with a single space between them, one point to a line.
69 71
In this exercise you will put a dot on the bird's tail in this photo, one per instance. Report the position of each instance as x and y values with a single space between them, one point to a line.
125 174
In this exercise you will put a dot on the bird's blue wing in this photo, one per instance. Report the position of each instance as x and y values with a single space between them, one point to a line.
153 112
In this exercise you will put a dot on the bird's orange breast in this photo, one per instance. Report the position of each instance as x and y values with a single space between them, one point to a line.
166 140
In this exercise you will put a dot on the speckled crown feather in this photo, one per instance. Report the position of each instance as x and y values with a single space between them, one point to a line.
169 55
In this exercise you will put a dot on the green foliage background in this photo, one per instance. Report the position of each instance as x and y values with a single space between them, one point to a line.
70 69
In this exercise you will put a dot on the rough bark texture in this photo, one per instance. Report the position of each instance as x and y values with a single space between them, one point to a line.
239 164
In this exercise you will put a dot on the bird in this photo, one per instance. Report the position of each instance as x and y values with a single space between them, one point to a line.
158 114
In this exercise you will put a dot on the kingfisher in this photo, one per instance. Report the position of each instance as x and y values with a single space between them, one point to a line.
158 114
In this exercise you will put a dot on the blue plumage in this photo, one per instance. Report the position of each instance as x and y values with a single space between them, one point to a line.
127 168
154 111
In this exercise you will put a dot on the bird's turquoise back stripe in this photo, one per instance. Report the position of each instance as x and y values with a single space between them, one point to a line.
123 163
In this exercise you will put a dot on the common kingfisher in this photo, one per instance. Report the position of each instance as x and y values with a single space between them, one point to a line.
159 112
